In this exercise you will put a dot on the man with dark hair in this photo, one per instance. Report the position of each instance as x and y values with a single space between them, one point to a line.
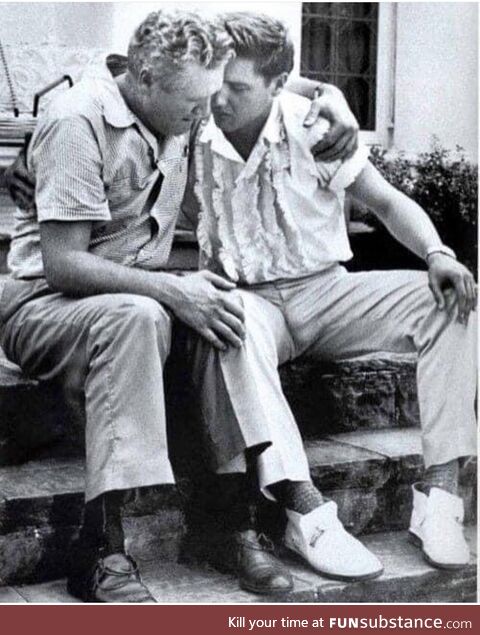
88 301
264 41
270 218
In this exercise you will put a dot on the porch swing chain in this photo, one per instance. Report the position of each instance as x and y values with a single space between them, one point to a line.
13 96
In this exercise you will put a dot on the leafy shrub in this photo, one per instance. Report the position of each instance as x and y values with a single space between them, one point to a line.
447 189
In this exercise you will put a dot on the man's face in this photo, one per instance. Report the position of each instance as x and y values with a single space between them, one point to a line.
245 97
172 112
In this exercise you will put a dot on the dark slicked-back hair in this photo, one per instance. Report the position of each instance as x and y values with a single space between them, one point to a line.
262 39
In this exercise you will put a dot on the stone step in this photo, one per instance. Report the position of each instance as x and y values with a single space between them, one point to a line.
406 578
374 392
367 473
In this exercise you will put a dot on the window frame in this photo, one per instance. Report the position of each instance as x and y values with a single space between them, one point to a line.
385 88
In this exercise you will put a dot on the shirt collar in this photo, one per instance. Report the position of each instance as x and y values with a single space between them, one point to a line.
115 110
271 132
119 115
212 134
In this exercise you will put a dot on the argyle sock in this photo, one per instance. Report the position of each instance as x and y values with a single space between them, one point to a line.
299 496
444 476
102 524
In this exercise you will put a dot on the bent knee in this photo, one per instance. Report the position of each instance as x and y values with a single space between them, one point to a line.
136 310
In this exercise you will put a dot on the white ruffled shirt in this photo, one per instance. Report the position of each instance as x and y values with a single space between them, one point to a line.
279 214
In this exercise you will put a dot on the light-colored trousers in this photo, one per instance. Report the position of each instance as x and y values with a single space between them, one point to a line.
110 350
333 315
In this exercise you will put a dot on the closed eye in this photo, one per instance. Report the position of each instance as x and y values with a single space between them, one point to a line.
239 88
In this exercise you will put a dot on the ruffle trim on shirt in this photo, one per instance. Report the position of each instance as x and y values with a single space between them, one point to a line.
247 225
293 241
206 252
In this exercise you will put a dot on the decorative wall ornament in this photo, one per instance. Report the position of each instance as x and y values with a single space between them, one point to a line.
33 67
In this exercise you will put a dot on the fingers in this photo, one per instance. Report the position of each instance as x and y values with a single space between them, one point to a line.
472 289
20 185
218 281
437 294
462 299
335 145
221 335
351 147
26 188
213 339
329 141
234 323
226 334
470 296
312 115
21 200
234 306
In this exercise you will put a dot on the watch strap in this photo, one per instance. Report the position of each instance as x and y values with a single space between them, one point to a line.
440 249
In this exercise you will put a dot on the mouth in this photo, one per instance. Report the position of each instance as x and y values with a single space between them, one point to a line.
221 114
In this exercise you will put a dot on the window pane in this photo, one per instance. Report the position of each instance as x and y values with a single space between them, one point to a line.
339 45
316 52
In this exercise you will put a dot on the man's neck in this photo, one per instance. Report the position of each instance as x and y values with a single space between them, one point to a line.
244 139
131 99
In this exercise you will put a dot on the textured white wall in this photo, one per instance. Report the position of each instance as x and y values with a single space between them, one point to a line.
43 41
80 24
436 86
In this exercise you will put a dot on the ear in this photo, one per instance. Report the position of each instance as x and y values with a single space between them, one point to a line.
278 83
145 78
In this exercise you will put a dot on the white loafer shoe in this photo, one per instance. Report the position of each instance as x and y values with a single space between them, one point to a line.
320 538
437 527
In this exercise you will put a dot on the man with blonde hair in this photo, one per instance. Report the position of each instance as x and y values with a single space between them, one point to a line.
89 305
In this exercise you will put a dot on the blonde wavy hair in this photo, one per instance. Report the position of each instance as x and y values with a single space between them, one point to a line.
166 41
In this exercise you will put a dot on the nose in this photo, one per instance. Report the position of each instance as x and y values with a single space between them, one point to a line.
220 99
202 109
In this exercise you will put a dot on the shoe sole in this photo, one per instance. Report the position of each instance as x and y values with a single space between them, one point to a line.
230 570
88 598
415 540
334 576
276 593
84 597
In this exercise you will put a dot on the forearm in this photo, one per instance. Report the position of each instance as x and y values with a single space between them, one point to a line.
409 224
80 273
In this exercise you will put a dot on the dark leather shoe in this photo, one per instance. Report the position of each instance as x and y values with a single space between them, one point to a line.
111 579
257 568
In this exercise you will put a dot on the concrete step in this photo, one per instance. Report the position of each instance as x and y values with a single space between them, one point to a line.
367 473
406 578
374 392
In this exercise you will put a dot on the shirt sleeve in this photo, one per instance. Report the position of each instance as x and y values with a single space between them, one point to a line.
338 175
68 170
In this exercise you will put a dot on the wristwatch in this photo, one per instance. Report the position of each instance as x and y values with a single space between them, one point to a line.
440 249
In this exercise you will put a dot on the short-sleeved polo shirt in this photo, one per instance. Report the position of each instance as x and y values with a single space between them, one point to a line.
94 160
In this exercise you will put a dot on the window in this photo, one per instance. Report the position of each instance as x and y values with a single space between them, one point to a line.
339 45
351 45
